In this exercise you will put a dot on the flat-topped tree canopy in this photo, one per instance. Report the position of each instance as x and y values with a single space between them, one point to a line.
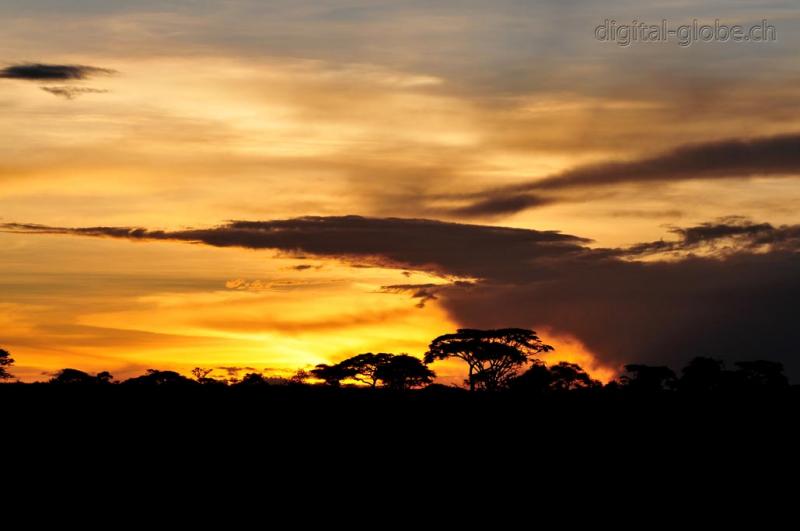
493 356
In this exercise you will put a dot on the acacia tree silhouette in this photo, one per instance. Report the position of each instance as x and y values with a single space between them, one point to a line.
493 356
403 372
331 374
5 361
200 374
364 367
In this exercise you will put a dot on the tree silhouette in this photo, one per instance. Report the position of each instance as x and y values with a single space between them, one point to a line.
331 374
495 359
5 361
300 377
702 375
77 377
403 372
569 377
364 367
493 356
648 378
201 374
761 374
561 377
252 379
155 377
536 379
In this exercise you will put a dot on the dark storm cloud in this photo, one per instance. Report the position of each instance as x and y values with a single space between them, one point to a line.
420 244
735 158
743 307
50 72
741 304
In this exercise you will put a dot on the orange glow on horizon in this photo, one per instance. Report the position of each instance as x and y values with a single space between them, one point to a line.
570 349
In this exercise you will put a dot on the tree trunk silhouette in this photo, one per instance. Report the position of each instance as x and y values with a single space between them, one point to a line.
471 379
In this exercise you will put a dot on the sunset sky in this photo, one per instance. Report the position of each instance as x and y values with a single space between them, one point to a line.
268 185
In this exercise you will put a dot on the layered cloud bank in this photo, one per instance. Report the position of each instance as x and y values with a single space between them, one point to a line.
726 289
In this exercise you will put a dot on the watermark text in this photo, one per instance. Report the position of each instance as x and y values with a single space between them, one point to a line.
625 34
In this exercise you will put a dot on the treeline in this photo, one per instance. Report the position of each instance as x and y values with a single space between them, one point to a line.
497 361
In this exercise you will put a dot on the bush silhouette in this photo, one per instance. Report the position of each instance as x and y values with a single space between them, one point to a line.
5 361
253 379
156 377
76 377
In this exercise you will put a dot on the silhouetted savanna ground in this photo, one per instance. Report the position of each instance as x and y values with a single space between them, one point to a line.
509 395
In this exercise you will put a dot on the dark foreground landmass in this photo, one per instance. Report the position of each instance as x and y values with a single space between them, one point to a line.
397 424
304 439
349 412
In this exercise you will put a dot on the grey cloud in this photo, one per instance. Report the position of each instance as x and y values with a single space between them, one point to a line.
426 292
234 371
423 292
305 267
52 72
71 93
501 204
727 235
734 158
